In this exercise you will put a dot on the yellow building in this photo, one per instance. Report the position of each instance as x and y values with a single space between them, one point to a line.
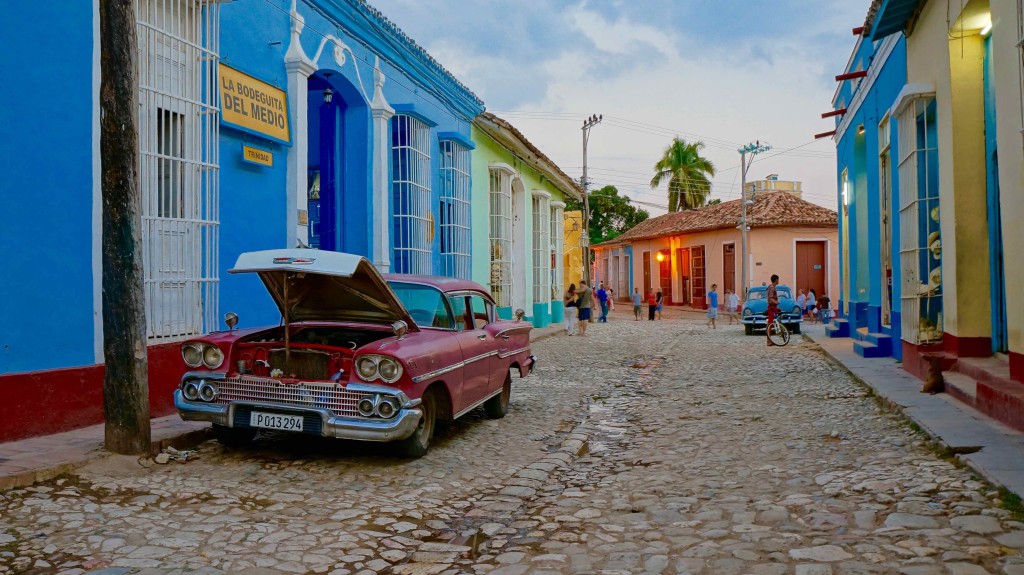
573 248
959 149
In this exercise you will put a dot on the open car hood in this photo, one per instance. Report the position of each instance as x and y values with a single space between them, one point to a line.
325 286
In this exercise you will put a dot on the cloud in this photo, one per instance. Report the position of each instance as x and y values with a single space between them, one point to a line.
728 72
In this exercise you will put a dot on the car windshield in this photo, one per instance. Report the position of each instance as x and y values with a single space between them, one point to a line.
427 305
784 293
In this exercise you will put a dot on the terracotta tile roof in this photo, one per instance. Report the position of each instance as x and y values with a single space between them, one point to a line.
567 182
770 209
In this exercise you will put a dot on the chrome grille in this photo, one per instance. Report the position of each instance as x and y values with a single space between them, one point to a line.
310 395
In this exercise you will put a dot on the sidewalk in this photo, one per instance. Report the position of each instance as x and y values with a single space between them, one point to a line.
35 459
991 448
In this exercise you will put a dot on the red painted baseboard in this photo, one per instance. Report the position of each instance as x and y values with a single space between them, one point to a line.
1017 366
967 346
55 400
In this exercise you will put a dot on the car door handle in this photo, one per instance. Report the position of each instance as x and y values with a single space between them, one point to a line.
505 337
482 336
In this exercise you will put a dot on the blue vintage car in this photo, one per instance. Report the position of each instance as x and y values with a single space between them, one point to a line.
755 309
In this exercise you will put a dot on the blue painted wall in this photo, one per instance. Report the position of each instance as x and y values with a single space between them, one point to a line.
859 153
46 188
46 193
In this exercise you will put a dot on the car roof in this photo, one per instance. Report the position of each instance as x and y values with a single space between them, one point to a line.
764 288
442 283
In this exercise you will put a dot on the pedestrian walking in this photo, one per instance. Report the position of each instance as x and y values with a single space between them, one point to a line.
812 305
660 297
569 299
602 299
824 311
712 306
638 304
652 305
732 304
584 301
773 306
801 301
611 300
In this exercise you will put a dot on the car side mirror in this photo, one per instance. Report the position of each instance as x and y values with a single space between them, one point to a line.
231 319
519 315
400 328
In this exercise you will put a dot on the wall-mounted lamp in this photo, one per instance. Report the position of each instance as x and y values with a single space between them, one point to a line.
860 130
660 257
328 96
986 29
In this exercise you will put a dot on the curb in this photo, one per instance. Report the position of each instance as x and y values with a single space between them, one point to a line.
933 435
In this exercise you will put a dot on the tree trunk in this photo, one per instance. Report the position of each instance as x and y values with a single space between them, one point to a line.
125 383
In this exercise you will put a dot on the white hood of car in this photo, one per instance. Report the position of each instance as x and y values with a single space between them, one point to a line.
316 285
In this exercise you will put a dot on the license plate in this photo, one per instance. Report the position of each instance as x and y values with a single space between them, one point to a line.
275 421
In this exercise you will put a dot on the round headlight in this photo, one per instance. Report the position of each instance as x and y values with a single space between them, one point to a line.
213 357
207 392
389 369
192 353
190 391
367 368
387 408
365 407
796 310
747 312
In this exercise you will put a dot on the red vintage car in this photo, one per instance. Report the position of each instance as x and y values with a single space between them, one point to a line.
358 355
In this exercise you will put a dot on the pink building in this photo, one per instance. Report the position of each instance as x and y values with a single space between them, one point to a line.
683 253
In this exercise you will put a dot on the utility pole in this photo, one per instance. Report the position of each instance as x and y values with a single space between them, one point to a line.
587 125
125 383
753 149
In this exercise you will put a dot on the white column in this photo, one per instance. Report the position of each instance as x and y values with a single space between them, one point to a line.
380 248
299 68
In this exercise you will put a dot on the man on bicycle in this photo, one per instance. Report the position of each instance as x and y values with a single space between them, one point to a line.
773 306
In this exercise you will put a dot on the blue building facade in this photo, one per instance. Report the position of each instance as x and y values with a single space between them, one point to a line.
263 124
868 183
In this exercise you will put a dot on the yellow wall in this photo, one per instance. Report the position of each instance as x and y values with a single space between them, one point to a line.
1006 63
572 253
954 67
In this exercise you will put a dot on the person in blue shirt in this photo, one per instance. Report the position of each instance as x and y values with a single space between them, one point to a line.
638 303
712 306
602 298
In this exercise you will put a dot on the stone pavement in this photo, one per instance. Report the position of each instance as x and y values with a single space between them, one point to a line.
644 447
994 450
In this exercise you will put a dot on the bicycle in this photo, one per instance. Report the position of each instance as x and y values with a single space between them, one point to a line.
777 332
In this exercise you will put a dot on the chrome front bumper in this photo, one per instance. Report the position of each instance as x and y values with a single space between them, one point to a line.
365 429
762 321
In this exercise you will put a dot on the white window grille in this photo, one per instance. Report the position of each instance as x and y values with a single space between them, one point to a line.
179 133
541 247
920 241
501 237
557 247
410 177
455 210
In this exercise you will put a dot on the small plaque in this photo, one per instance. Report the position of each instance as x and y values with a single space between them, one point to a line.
257 156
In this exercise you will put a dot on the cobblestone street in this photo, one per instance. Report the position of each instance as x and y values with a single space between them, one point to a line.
644 447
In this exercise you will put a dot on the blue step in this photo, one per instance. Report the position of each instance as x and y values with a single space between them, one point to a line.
838 328
882 341
866 349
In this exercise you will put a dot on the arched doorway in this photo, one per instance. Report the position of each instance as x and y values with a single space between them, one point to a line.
338 164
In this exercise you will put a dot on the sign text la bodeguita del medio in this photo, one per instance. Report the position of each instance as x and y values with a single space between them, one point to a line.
253 105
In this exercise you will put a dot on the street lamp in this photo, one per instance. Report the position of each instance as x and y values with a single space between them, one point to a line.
587 125
752 149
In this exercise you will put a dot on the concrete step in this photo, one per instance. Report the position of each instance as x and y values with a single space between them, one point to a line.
838 328
961 387
1002 400
867 349
984 368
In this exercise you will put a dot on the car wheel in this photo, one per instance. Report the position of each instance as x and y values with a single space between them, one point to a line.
417 444
497 406
748 330
233 436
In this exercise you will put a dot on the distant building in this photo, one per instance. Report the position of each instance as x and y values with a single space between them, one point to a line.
772 183
683 253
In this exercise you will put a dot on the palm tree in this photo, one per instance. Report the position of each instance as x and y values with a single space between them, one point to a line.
689 175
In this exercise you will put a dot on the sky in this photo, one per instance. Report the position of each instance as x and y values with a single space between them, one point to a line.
727 72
